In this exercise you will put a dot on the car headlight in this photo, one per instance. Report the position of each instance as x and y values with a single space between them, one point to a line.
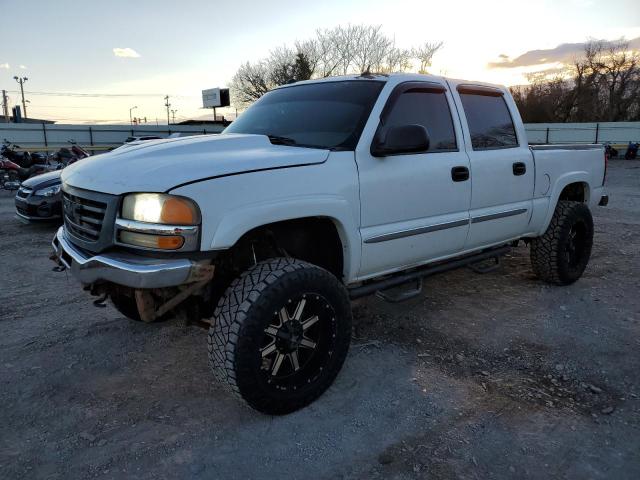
49 191
158 221
160 208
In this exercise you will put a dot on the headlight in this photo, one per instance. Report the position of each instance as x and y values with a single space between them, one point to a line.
49 191
158 221
160 208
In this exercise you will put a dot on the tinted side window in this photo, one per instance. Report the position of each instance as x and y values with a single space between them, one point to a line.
489 121
429 109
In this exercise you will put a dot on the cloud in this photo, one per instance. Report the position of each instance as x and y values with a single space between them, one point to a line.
23 67
125 52
5 65
564 53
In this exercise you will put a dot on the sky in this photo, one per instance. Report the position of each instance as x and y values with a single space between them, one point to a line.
134 53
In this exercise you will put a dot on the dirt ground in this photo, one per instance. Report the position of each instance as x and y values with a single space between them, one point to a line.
482 376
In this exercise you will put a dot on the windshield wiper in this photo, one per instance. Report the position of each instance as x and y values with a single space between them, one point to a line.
277 140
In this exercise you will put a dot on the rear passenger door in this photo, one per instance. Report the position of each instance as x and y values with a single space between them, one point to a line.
414 206
502 169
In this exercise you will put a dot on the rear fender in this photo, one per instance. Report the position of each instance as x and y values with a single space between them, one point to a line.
559 185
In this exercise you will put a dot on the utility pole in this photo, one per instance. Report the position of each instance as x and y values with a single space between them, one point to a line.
5 106
173 115
21 81
168 105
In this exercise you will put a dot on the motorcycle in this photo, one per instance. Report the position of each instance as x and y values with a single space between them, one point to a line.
610 151
12 174
632 151
25 159
9 175
67 156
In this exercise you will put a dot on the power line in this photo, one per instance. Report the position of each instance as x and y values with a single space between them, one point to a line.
101 95
36 106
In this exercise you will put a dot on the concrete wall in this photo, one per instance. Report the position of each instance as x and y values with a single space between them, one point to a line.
606 132
103 137
100 137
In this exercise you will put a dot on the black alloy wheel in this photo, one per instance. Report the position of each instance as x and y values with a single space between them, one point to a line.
280 334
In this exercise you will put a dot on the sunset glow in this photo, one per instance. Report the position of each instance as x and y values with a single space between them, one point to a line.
149 49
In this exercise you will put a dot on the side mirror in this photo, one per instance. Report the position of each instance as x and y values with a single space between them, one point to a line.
401 139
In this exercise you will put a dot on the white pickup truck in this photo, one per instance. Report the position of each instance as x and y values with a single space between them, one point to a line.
321 192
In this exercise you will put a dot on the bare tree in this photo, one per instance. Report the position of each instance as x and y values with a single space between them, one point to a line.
601 85
397 60
424 54
370 48
250 82
619 76
337 51
280 65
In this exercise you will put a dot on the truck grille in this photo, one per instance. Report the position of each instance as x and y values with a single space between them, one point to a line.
83 217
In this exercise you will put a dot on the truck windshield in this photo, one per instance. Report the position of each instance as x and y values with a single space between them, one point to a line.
329 115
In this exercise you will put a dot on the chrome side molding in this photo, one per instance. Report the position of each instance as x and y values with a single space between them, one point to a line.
416 231
442 226
495 216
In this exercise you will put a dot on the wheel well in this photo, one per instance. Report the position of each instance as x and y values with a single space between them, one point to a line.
314 240
576 192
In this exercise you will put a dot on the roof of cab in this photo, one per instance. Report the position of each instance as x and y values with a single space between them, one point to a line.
395 78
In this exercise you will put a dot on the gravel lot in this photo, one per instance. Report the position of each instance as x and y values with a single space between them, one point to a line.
482 376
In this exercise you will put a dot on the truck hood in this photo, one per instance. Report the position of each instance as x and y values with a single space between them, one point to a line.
160 165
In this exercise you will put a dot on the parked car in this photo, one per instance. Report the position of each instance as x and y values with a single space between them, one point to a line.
322 191
40 199
142 138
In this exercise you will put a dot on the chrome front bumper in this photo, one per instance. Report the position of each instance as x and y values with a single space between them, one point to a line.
126 269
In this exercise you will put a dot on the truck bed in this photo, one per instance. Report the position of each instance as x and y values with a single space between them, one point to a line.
560 165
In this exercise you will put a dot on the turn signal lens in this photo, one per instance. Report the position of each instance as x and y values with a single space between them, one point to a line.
170 243
178 211
160 208
162 242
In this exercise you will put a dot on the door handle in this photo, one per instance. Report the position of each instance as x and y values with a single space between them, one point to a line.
519 168
459 174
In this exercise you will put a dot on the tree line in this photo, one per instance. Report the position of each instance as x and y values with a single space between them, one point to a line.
603 85
337 51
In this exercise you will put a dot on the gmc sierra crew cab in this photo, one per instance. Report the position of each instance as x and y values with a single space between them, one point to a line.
321 192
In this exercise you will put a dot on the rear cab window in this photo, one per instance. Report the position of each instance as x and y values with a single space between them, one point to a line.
490 124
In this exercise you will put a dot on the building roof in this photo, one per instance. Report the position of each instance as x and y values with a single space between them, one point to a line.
3 119
204 122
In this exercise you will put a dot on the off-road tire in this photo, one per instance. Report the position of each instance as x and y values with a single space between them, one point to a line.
549 253
246 310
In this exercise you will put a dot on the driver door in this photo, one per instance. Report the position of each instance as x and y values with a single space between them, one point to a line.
414 207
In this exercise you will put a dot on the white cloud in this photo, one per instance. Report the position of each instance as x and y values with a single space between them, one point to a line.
125 52
23 67
5 65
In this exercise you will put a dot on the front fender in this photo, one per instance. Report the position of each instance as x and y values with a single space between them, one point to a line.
237 222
